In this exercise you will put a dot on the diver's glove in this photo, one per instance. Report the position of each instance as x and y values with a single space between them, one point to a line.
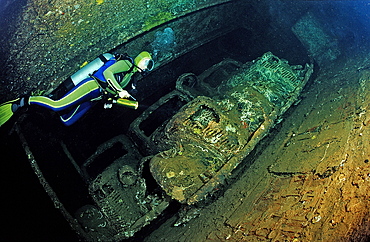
124 94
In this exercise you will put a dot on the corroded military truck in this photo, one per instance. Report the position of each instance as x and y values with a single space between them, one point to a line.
180 148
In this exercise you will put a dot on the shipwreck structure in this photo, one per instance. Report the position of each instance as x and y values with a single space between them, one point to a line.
187 144
206 105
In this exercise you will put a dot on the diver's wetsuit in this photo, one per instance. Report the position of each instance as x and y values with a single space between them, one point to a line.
93 87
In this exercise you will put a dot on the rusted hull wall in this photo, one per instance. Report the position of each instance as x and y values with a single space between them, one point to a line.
51 39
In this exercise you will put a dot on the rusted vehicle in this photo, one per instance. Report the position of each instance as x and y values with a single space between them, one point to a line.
181 147
233 106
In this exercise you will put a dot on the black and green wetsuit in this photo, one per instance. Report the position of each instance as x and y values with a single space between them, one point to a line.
80 96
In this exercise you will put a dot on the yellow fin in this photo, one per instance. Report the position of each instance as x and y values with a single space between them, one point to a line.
5 113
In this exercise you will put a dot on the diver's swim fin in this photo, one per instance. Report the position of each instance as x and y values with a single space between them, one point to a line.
6 111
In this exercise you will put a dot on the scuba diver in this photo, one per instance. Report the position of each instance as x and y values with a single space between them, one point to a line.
103 78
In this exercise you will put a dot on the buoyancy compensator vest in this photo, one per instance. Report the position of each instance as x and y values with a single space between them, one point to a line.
80 75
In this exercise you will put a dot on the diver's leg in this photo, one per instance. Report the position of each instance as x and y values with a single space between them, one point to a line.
84 91
71 117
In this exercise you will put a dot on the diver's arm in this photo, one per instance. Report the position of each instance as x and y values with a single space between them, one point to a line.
119 66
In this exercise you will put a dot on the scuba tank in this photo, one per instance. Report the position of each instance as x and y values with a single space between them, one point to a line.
79 76
89 69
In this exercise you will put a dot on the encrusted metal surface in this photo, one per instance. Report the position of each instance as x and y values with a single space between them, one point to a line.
211 135
152 121
320 42
120 193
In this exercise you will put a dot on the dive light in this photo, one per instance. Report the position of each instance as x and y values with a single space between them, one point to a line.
127 103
